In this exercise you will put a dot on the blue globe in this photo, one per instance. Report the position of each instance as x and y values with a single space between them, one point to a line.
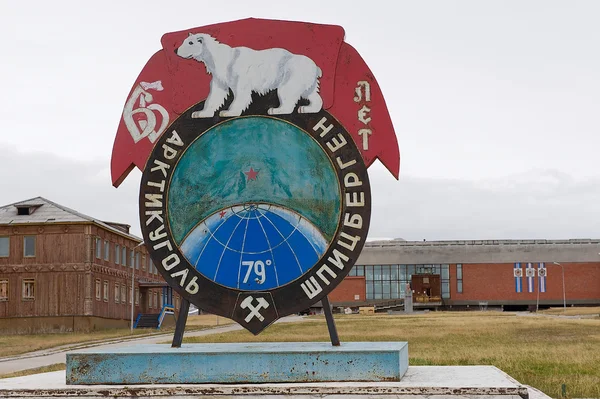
254 203
254 246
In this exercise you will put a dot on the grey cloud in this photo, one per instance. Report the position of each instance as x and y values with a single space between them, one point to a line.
542 204
83 186
537 204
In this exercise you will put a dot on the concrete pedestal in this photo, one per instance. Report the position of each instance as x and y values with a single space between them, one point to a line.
271 362
419 382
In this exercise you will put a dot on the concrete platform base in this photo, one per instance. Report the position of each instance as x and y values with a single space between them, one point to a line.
419 382
269 362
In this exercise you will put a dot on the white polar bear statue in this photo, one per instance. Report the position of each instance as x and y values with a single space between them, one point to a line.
244 70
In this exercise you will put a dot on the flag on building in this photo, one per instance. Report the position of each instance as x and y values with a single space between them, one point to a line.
530 273
518 273
542 277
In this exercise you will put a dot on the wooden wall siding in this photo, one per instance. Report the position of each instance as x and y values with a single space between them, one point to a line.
56 294
62 244
116 239
65 270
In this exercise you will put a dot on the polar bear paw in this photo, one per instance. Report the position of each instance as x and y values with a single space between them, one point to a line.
280 111
228 113
203 114
309 109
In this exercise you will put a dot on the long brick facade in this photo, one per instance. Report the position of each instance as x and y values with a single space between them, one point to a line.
475 272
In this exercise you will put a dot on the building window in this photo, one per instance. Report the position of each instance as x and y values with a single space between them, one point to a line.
445 272
117 292
29 246
144 263
137 260
156 300
137 296
117 255
3 290
357 271
98 289
383 281
106 250
4 247
29 289
123 294
130 295
131 259
391 281
150 299
105 296
98 248
459 278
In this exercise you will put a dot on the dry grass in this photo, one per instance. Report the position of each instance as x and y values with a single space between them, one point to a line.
206 320
11 345
45 369
575 311
539 351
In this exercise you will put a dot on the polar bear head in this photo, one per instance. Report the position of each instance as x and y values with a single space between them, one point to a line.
194 46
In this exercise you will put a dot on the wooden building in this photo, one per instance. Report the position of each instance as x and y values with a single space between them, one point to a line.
61 270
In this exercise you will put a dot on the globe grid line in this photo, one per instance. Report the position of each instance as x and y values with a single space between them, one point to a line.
241 255
305 237
213 234
299 231
262 210
203 248
288 244
270 249
223 253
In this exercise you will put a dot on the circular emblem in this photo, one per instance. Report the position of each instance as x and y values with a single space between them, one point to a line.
255 217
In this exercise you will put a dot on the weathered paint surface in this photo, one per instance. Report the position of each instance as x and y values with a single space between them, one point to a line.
239 363
326 73
254 218
419 382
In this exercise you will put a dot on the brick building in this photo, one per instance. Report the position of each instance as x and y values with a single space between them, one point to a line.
508 273
61 270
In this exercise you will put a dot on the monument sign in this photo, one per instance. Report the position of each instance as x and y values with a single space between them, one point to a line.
254 138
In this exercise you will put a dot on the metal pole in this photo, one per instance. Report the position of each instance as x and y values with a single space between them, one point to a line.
335 339
133 281
132 298
564 294
184 309
537 304
563 284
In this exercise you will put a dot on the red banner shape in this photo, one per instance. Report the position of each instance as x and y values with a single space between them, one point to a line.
321 43
146 115
359 105
170 84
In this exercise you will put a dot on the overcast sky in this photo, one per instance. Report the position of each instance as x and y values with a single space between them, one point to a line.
496 105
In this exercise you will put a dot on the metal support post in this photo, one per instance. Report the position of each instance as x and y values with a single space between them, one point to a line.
335 339
180 324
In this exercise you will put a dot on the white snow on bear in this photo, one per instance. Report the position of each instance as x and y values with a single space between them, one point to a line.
244 70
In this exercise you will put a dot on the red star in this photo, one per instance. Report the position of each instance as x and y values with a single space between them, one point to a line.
251 174
222 213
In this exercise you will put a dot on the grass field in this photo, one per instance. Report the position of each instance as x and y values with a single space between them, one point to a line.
11 345
544 352
45 369
206 320
579 311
